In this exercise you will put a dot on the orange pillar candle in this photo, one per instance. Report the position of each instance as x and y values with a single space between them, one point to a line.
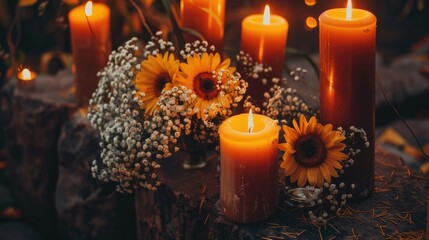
347 83
264 38
89 48
206 17
249 168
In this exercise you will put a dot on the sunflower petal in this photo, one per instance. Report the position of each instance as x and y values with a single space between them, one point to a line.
290 167
324 168
303 123
295 175
302 178
338 156
312 176
319 177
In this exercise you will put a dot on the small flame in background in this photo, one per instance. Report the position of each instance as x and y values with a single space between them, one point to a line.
26 74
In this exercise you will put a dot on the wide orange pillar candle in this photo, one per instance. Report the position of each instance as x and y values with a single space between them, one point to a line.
347 84
249 168
88 47
265 41
206 17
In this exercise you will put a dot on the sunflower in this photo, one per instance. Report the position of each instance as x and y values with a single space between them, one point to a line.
199 74
154 75
312 152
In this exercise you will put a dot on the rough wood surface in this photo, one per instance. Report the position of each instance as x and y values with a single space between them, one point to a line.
34 117
173 212
181 206
398 206
87 208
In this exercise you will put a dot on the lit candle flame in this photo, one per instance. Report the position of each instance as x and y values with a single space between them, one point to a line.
250 122
266 20
26 74
349 10
88 8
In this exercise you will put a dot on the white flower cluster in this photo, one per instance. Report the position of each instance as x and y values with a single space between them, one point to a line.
197 47
356 140
206 130
330 200
333 198
251 68
233 90
281 102
157 45
132 142
285 104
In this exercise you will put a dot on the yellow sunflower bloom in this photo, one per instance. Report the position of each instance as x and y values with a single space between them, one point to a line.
312 152
198 74
154 75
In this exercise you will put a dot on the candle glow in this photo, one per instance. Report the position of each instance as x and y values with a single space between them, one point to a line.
250 122
349 10
88 8
266 20
26 74
26 78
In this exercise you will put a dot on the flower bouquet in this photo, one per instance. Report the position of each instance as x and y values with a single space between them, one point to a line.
150 102
153 100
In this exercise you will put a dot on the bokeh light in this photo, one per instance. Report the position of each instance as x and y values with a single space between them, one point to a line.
310 2
310 23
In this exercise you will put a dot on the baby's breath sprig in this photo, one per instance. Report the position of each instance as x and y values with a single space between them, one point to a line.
197 47
132 142
156 45
250 68
285 105
332 198
132 138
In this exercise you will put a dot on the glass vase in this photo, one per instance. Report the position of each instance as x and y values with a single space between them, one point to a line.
194 153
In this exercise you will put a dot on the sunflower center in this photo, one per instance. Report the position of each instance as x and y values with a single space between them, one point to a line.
160 82
205 86
310 151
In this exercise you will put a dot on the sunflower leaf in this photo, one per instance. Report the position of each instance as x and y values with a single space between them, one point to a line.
193 32
174 22
213 15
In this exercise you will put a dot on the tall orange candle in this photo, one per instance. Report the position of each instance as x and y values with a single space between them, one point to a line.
89 48
206 17
347 83
264 38
249 168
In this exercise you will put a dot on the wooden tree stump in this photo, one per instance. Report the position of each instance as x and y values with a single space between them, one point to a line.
87 208
33 118
182 205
